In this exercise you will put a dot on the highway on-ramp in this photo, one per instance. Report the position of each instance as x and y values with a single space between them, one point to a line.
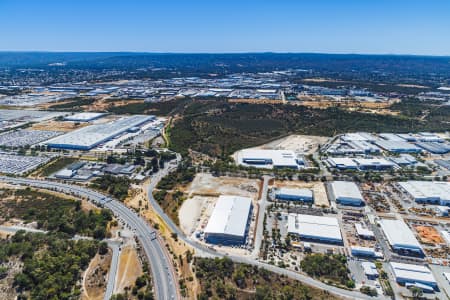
163 275
110 283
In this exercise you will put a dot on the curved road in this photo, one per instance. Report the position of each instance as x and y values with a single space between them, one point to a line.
163 275
202 250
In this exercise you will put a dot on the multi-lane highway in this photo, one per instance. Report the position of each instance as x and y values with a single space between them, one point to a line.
202 250
163 275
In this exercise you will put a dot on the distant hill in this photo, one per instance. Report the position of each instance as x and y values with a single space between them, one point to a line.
39 59
238 61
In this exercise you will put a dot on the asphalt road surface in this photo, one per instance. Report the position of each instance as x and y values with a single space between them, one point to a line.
163 275
110 283
262 204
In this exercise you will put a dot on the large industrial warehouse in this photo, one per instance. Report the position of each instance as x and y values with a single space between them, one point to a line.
294 194
315 228
398 146
269 158
345 163
342 163
400 237
89 137
414 275
434 147
346 193
433 192
84 117
229 221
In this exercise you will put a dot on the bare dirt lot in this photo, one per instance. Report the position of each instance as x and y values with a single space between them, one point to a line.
208 185
191 211
58 126
302 144
129 269
318 188
94 278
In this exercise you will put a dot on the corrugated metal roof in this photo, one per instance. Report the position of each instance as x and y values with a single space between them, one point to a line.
314 226
295 192
394 145
427 189
363 231
412 272
278 157
84 116
92 135
342 161
230 216
369 268
399 234
346 189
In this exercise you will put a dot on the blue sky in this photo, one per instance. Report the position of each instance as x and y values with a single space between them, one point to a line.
331 26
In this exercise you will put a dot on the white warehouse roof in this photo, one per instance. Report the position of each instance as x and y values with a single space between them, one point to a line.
93 135
358 136
399 235
391 137
346 190
342 162
84 116
397 146
370 269
306 193
277 158
373 162
365 146
362 231
428 190
230 216
315 227
412 273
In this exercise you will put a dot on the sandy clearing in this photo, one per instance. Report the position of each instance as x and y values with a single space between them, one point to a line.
94 278
300 144
191 211
63 126
207 185
129 269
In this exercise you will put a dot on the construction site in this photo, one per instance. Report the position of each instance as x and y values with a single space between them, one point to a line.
203 193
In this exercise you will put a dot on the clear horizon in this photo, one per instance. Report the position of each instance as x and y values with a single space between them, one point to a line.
237 52
346 27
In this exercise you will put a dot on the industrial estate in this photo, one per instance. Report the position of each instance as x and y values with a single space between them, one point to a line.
175 183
